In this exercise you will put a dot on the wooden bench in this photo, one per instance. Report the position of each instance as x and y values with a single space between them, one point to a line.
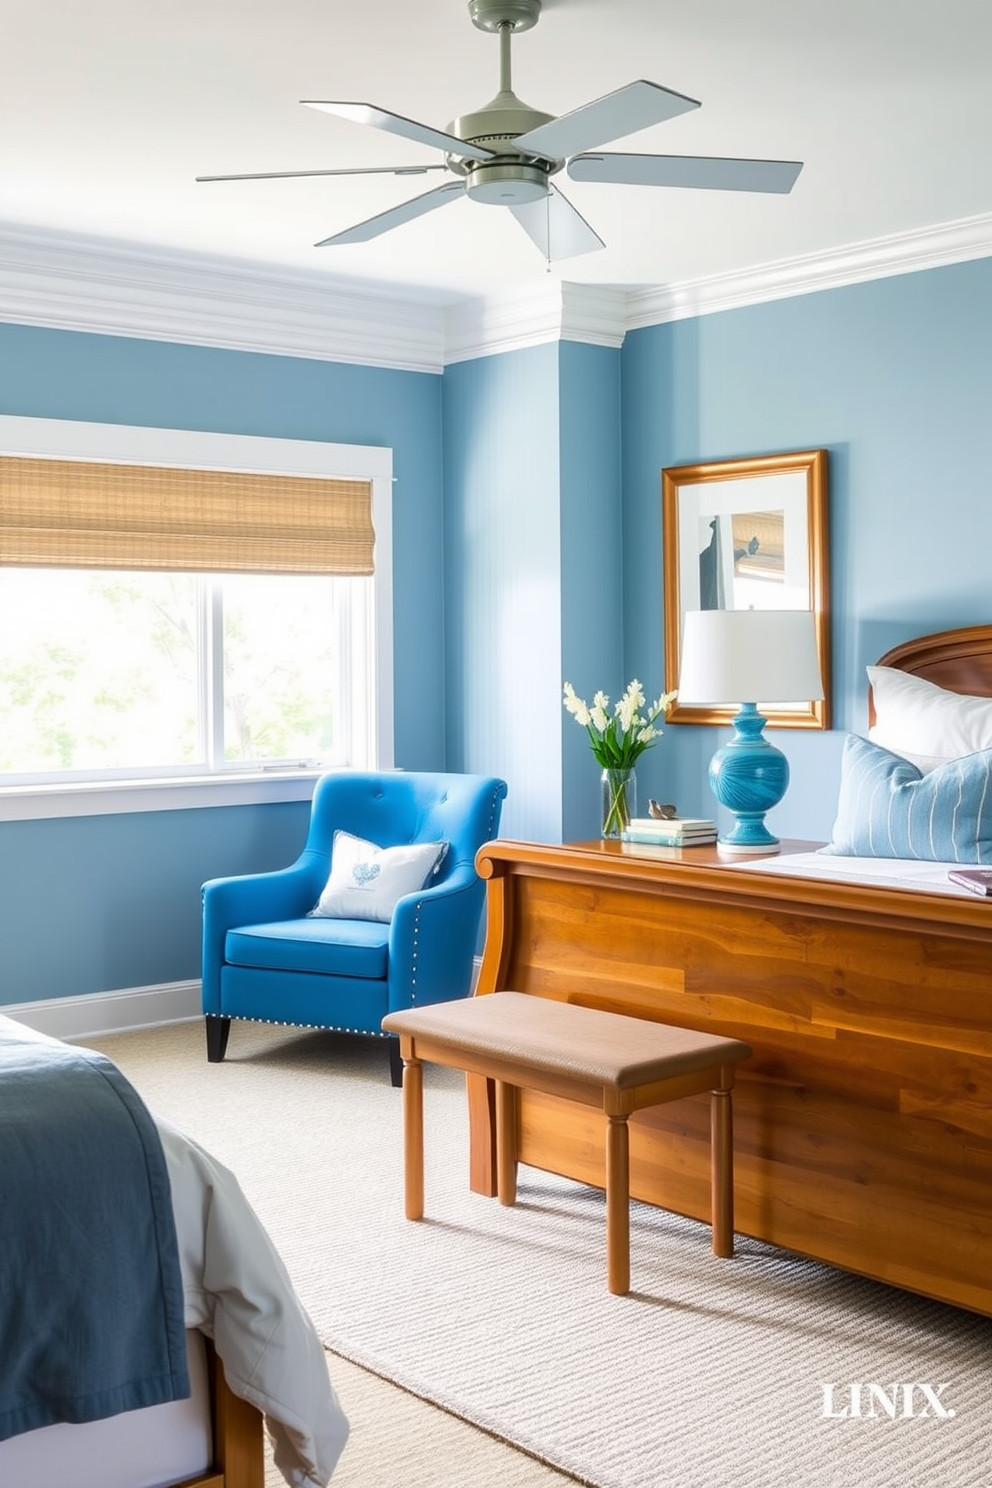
617 1063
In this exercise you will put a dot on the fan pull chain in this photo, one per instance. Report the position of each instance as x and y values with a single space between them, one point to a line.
548 225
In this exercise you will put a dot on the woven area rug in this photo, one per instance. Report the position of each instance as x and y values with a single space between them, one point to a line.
710 1373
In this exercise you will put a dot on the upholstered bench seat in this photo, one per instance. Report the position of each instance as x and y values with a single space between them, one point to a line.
607 1060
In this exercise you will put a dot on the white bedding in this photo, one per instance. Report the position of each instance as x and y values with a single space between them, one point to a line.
893 873
238 1292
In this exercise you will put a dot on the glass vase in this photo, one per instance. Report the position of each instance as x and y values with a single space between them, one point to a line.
619 794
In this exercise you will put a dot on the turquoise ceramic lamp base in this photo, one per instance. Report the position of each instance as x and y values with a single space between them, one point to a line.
749 776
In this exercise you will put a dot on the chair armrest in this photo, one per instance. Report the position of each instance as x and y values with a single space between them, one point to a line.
282 895
432 941
286 894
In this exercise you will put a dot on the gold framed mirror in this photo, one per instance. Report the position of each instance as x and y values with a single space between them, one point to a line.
747 534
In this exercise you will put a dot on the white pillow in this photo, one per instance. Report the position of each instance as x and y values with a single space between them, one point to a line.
366 882
925 723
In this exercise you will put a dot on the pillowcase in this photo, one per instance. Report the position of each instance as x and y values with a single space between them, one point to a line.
366 882
888 809
926 723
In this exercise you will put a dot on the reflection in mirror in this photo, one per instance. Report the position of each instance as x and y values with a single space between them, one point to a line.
747 534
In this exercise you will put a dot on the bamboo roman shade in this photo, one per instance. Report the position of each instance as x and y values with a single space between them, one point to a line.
74 514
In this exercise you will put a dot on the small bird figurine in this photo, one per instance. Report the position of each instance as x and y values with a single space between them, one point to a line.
661 811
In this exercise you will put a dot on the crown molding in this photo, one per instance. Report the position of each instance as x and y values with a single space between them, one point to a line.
856 263
78 283
74 282
552 310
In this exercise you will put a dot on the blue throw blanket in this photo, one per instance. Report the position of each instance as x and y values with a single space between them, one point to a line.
91 1297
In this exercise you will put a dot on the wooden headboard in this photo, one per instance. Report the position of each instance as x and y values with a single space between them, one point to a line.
960 660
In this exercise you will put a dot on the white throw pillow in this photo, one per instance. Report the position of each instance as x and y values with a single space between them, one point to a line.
925 723
366 882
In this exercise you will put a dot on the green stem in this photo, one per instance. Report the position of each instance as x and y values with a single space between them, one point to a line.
618 811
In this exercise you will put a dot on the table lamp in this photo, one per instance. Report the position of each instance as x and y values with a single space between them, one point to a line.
747 656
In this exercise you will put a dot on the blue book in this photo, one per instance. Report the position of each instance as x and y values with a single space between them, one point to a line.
678 839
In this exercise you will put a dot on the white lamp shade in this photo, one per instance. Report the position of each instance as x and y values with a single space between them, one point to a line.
749 656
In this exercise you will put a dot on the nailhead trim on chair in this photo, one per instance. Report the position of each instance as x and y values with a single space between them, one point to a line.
317 1027
416 941
494 801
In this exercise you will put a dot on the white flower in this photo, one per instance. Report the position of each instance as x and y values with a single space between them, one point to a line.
628 705
600 711
618 739
578 709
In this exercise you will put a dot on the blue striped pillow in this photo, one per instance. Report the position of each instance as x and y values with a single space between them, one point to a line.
888 809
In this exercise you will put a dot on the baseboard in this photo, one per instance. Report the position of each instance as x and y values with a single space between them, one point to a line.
98 1013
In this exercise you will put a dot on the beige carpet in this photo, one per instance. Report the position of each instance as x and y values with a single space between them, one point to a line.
709 1373
400 1441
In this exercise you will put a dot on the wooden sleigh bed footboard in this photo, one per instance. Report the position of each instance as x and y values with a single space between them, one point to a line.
863 1120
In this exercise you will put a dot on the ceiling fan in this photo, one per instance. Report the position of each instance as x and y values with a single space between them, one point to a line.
506 152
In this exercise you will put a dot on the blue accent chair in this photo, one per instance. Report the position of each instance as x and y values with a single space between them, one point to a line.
265 959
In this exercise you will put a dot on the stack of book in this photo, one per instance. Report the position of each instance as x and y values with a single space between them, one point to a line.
677 831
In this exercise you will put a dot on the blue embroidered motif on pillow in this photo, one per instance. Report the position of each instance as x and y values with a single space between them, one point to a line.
888 809
366 882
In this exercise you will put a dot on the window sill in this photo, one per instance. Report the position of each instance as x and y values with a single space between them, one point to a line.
107 798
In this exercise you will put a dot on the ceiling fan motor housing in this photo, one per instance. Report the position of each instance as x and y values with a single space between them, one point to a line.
512 177
507 184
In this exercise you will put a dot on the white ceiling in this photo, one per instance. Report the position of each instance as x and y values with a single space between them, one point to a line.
110 108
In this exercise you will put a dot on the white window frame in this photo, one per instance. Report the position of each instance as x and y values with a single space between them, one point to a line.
117 444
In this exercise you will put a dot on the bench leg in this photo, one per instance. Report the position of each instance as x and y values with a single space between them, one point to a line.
618 1206
506 1142
722 1171
413 1137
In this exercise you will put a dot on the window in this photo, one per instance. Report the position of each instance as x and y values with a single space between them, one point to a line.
138 671
107 673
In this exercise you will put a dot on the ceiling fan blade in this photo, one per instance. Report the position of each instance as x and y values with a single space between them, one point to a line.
556 228
637 106
361 170
423 134
702 172
383 222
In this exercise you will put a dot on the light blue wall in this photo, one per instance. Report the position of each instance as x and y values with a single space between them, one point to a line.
533 542
894 378
551 461
99 903
591 563
503 587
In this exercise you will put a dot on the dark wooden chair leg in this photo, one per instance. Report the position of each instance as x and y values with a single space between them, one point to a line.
218 1030
395 1064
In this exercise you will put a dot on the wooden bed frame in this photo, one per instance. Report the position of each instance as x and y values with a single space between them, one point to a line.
863 1121
237 1436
